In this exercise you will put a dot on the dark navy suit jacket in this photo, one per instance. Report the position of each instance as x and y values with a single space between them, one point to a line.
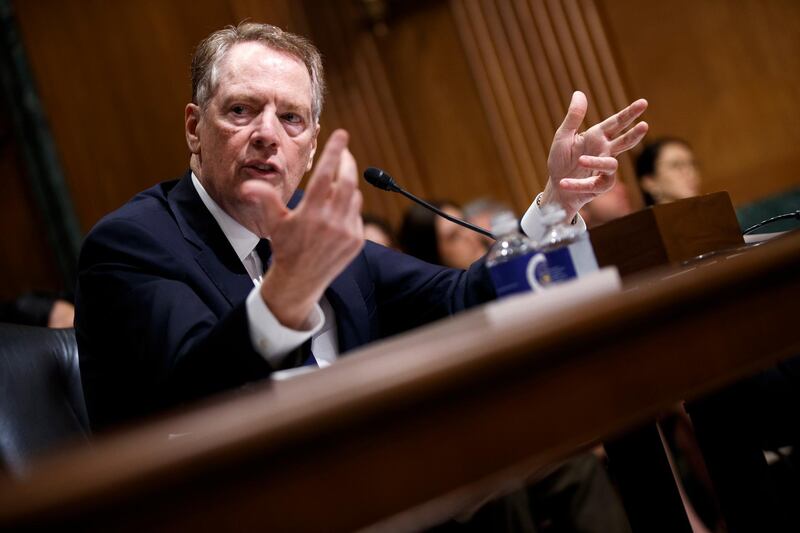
160 301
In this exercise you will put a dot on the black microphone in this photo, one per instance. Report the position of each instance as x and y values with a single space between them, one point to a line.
382 180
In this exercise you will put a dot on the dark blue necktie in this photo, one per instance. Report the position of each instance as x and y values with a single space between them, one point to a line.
309 359
264 251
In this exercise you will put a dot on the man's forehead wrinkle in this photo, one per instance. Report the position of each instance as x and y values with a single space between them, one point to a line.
244 71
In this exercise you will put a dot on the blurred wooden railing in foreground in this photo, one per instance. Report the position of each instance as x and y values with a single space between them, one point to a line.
435 416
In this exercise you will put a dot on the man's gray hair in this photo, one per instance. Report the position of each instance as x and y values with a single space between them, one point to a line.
213 48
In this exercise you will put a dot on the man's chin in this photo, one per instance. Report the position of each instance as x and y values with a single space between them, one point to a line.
248 201
275 182
249 213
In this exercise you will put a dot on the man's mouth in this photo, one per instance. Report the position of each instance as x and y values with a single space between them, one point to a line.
262 169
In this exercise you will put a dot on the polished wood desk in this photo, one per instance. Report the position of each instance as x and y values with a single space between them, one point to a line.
410 430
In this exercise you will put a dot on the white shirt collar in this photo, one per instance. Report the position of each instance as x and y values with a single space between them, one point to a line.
242 239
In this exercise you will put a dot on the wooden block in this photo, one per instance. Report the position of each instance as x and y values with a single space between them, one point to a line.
667 234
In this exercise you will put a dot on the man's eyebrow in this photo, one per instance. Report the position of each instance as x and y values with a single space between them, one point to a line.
296 107
294 102
238 96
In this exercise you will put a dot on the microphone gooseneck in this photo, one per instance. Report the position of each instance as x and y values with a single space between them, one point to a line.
380 179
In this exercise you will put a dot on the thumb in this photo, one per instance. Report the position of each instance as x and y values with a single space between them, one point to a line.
575 114
265 207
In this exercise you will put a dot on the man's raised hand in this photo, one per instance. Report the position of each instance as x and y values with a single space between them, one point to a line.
582 165
313 243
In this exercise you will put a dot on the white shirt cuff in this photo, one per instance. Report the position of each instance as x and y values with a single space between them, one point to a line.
532 225
269 337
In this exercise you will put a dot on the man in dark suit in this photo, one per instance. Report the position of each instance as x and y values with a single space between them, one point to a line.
171 324
173 302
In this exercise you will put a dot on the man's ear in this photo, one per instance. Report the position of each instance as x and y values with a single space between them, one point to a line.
191 124
313 148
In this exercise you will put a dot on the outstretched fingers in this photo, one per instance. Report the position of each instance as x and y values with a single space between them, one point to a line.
356 201
630 139
346 183
322 180
615 124
575 115
593 185
599 164
353 219
347 201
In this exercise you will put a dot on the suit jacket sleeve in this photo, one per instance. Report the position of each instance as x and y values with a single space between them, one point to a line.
410 292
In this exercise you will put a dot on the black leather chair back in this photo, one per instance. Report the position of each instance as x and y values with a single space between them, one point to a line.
41 399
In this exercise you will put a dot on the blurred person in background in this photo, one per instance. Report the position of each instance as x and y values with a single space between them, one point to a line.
608 206
378 230
433 239
480 212
667 171
45 309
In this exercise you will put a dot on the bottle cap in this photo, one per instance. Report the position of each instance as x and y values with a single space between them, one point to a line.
504 222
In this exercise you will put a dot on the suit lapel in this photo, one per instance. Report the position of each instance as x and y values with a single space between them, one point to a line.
352 319
215 255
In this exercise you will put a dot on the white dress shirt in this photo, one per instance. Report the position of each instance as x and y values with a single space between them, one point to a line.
269 337
532 225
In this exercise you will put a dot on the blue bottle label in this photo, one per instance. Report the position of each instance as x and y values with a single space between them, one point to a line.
560 265
522 274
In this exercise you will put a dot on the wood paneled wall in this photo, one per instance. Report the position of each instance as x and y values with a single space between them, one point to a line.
527 57
725 75
407 97
456 98
113 77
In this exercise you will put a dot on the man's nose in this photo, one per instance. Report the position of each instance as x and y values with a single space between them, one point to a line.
265 130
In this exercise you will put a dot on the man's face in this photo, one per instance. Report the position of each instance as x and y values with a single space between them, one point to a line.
257 125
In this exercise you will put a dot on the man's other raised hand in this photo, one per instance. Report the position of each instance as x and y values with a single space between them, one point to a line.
582 165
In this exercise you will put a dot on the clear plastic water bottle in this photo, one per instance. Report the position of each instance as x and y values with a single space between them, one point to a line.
568 250
513 262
